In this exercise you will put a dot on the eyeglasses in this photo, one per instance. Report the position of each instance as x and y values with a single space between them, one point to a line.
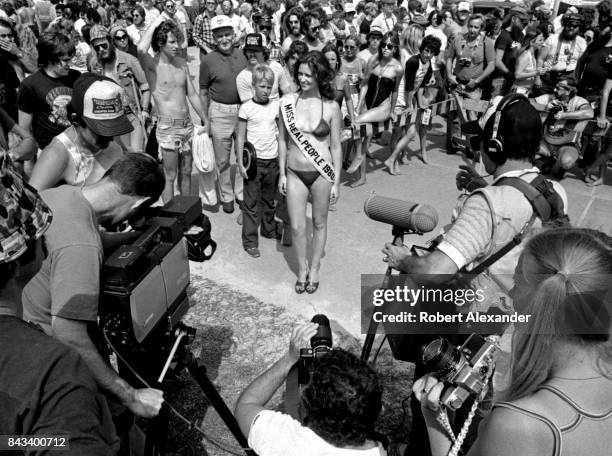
388 46
315 29
265 27
170 6
120 37
7 36
97 47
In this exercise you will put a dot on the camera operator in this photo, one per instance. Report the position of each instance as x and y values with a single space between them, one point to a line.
63 296
45 387
338 407
561 377
487 217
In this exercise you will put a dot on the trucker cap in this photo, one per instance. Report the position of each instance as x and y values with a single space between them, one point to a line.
97 100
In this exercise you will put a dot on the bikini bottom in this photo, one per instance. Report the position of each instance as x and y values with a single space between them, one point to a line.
307 177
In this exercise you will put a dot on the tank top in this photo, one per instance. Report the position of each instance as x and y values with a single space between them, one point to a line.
83 163
567 440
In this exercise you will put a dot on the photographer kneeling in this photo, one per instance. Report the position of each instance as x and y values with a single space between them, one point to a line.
338 407
561 375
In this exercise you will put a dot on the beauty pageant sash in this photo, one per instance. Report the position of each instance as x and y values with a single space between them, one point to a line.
314 157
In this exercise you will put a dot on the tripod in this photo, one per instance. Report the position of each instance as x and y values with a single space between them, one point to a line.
398 240
179 357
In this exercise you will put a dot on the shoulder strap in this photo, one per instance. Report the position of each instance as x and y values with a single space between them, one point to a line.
539 192
552 426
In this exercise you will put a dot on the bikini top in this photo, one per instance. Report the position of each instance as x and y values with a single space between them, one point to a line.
322 129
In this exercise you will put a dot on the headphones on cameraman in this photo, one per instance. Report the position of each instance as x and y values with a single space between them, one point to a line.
495 145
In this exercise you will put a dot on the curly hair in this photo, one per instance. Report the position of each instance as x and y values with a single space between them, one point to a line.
298 49
432 43
321 72
342 400
160 35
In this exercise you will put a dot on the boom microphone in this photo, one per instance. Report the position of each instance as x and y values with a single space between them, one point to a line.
409 216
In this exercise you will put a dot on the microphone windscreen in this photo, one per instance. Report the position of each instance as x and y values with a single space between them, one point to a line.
419 218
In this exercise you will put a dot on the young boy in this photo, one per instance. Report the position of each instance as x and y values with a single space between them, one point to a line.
258 124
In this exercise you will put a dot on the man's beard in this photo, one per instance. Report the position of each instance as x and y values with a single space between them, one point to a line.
111 55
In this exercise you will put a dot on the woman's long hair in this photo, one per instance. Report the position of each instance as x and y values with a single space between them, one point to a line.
411 38
321 71
563 288
394 38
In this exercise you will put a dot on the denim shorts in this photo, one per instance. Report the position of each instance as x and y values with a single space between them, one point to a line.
174 134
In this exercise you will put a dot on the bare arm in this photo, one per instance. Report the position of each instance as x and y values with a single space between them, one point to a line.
25 123
335 144
398 80
240 138
364 83
145 402
499 64
521 64
194 99
27 147
605 96
145 40
282 153
584 113
50 166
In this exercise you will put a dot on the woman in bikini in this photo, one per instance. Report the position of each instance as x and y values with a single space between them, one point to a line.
312 170
559 398
379 95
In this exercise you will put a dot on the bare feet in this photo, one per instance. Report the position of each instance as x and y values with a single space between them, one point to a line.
392 166
356 164
405 157
358 183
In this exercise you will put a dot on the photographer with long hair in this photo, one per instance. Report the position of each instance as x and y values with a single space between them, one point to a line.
560 393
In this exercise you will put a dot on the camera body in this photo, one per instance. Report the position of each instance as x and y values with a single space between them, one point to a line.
320 345
464 61
465 369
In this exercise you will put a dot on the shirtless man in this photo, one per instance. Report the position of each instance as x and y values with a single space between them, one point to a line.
171 87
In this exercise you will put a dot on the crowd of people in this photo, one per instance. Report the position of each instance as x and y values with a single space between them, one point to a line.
98 114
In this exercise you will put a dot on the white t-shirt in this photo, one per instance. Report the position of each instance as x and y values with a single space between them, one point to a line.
262 130
244 82
563 57
134 33
385 24
277 434
151 15
443 39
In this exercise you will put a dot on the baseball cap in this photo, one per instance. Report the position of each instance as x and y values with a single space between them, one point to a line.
24 216
253 42
463 6
116 29
519 10
98 100
220 21
375 31
98 32
349 8
419 19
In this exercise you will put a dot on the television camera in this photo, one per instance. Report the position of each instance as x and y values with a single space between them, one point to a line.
143 300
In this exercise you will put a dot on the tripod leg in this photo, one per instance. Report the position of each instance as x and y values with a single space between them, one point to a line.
199 374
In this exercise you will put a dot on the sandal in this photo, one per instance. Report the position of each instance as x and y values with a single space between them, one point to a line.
300 287
311 287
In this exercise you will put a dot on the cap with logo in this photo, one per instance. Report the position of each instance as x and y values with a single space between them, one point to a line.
463 6
116 29
221 21
254 42
349 8
98 32
97 100
24 216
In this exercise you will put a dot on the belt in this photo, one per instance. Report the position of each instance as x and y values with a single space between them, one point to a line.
173 122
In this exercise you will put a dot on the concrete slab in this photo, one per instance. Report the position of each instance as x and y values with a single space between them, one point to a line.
354 242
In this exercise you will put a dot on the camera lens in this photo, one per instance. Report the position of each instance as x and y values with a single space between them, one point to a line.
440 356
323 337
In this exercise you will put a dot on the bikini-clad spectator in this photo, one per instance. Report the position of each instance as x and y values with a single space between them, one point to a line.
378 95
526 63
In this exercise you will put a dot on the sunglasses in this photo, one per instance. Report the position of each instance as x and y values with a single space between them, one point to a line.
97 47
350 47
265 27
315 29
120 37
7 36
170 6
388 46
